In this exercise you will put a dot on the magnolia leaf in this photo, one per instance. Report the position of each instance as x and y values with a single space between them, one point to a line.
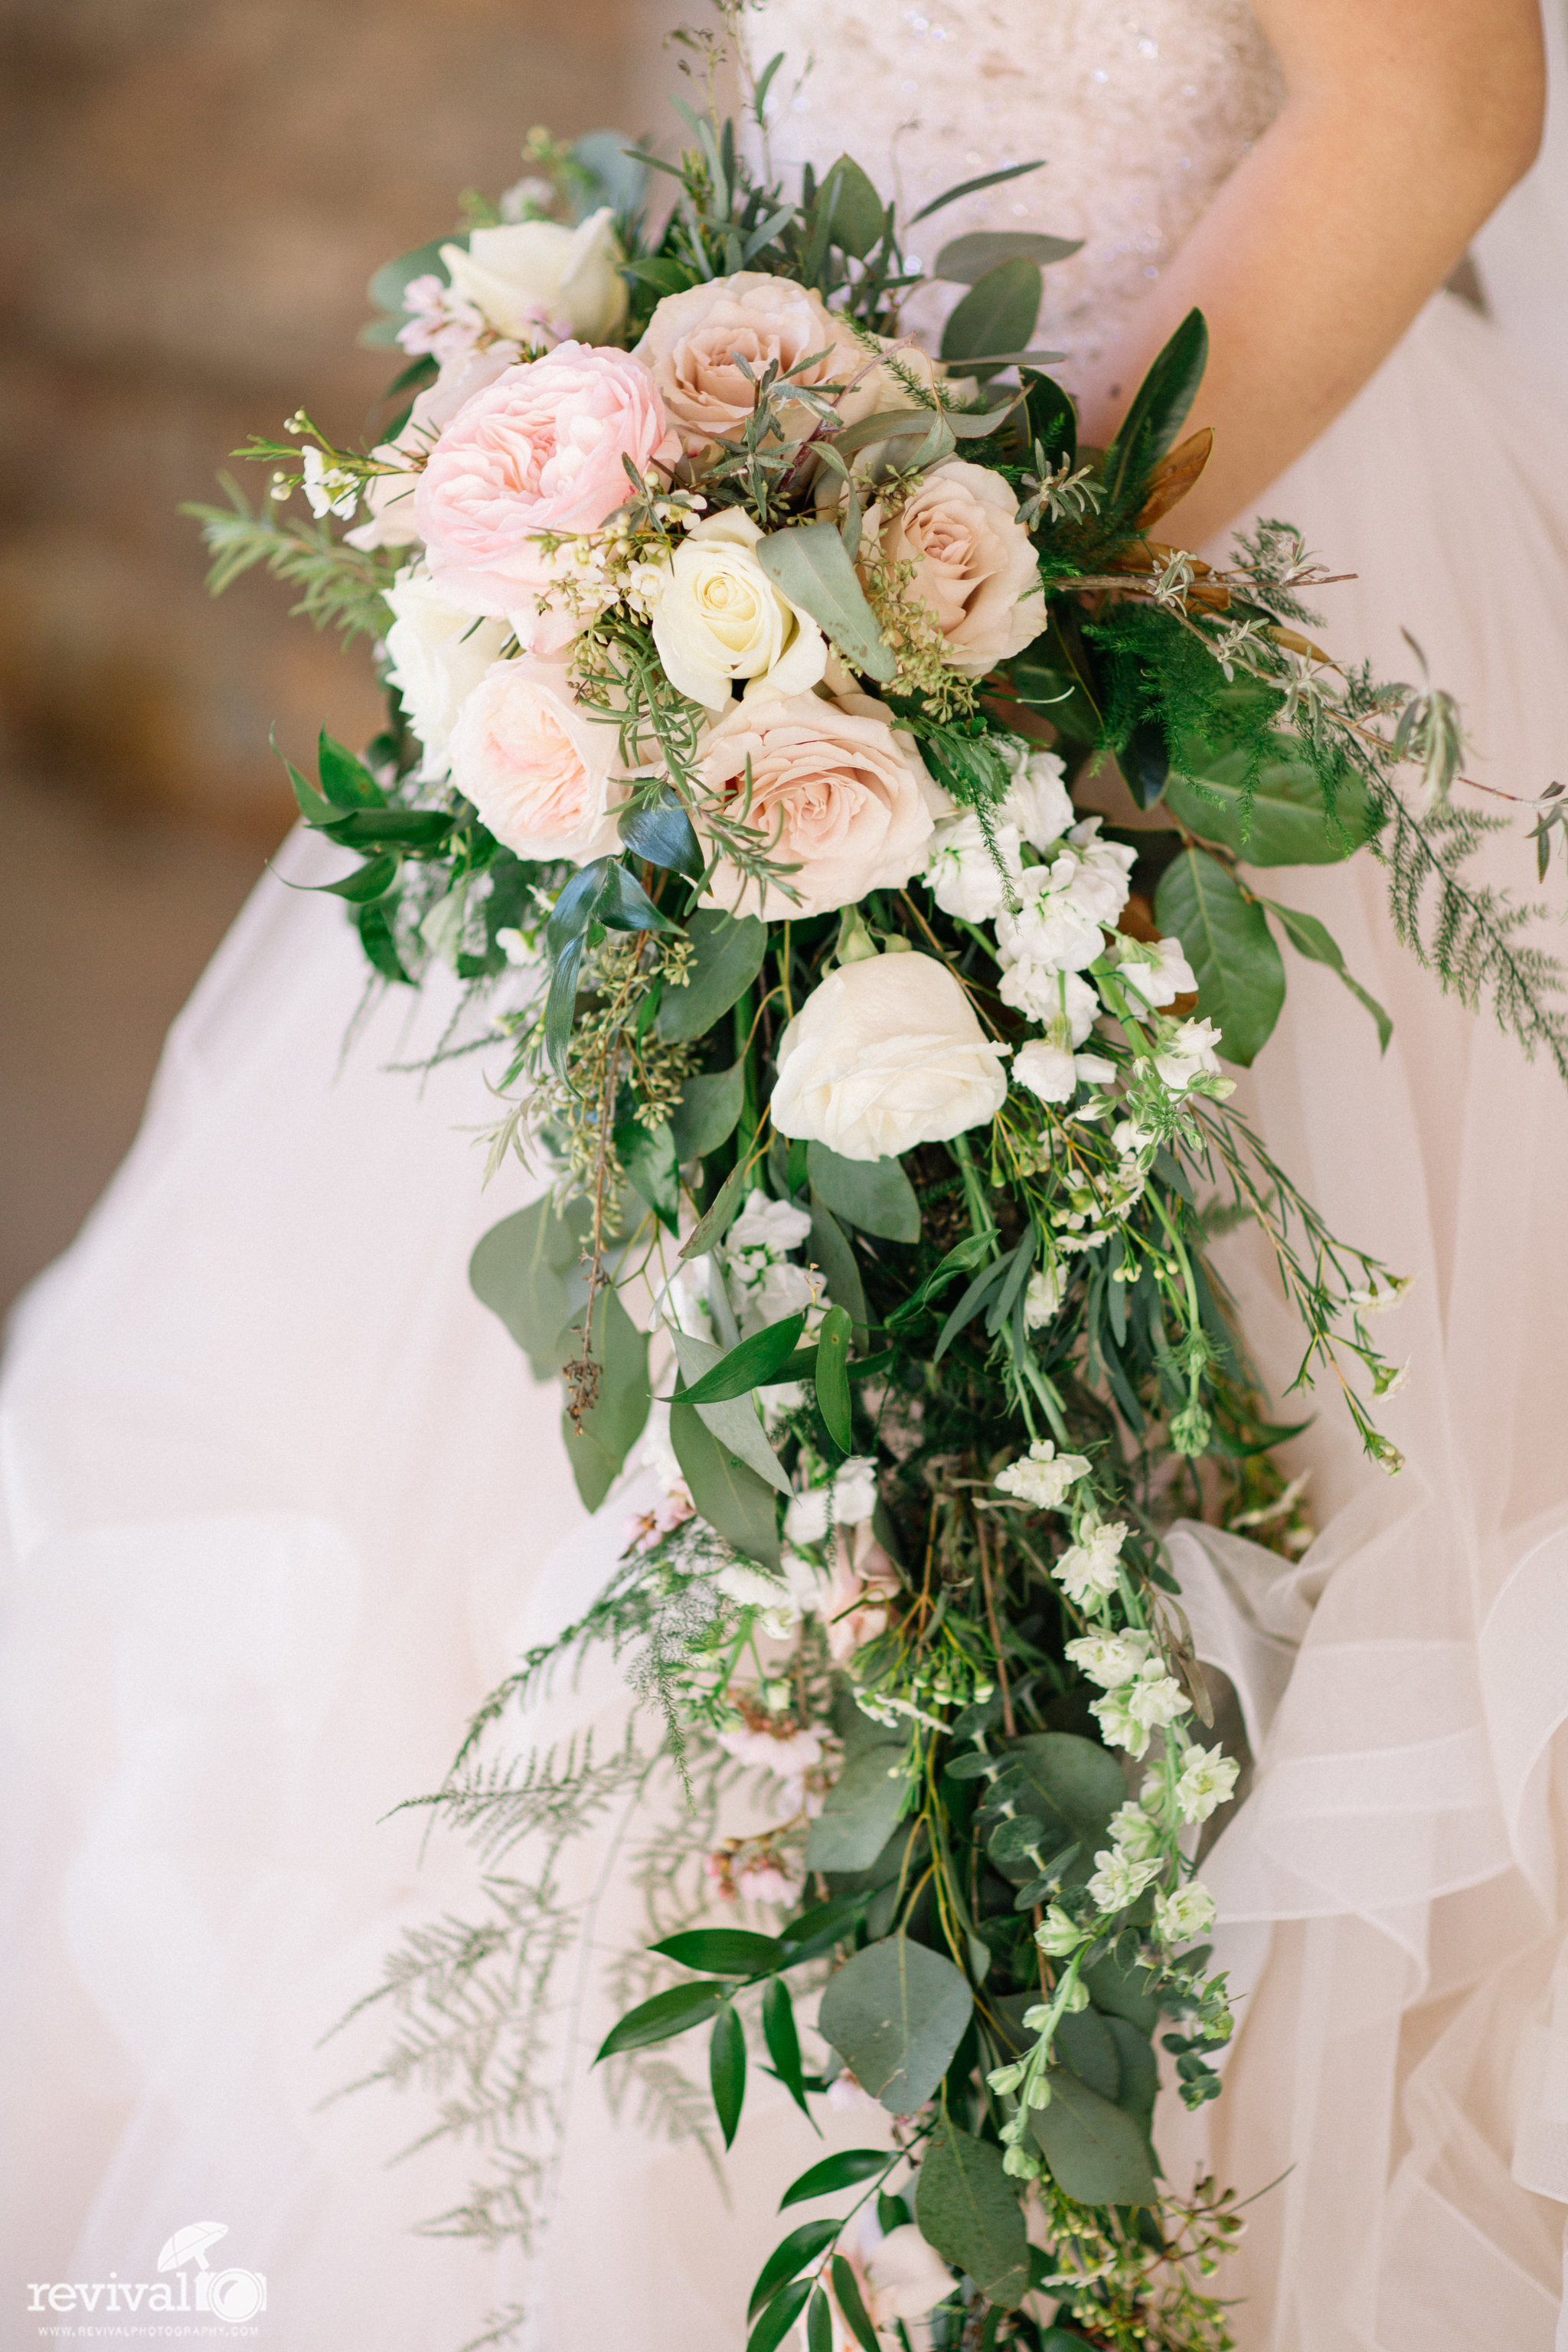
965 260
837 1261
874 1195
896 2013
808 565
1158 412
997 314
664 836
1226 940
1174 476
1310 937
707 1112
1049 418
625 906
752 1364
860 1811
728 951
968 2208
1285 823
597 1447
527 1270
1097 2151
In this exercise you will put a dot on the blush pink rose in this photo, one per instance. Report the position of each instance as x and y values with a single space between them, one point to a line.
540 450
539 769
974 563
862 1583
835 792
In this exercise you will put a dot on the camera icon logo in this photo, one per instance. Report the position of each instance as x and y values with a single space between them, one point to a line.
235 2295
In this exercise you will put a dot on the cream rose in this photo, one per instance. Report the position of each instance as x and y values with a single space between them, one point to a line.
974 563
885 1054
438 655
692 340
534 278
835 792
717 617
537 768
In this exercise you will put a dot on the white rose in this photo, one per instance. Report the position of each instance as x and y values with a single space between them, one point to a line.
964 877
389 497
1052 927
535 765
438 655
1038 803
885 1054
534 279
717 617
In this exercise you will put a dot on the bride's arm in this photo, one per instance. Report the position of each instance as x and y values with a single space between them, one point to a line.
1402 127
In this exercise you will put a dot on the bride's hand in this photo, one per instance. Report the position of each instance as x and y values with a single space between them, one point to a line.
1403 127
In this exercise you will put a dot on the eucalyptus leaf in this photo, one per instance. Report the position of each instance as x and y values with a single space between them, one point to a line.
1073 1786
809 566
1310 937
874 1195
968 2208
527 1270
648 1156
1285 823
1097 2152
860 1811
611 1424
625 906
1120 1993
835 1259
1226 940
1139 2086
736 1503
728 953
997 314
965 260
706 1111
1085 2042
896 2013
860 217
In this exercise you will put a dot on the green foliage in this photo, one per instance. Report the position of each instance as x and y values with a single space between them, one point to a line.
1097 2153
896 2014
1225 937
874 1195
338 585
809 565
727 956
968 2210
993 321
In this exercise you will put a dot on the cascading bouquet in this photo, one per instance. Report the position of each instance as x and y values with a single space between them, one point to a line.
743 663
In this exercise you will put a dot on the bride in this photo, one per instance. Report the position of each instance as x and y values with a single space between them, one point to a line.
280 1502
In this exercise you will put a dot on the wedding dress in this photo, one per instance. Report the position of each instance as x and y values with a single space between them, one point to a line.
281 1501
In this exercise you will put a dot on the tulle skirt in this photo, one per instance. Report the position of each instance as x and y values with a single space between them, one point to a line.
281 1501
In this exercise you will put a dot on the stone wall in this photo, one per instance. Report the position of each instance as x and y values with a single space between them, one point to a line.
195 192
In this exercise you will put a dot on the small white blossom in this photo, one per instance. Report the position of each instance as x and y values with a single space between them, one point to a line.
1118 1880
1208 1777
1187 1911
1086 1570
1043 1298
1187 1054
1149 1700
1042 1476
1379 1302
1040 804
1047 1070
1157 970
965 878
329 489
1058 1933
1135 1833
1101 885
1064 1005
1111 1659
773 1227
1052 925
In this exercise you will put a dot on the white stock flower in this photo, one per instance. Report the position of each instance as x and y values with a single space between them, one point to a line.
1135 1833
1058 1933
1187 1911
1064 1005
1101 884
779 1289
1118 1880
1207 1780
1038 803
1086 1570
1109 1659
330 489
1042 1476
742 1582
717 617
1156 970
907 2277
1052 925
533 279
884 1055
1043 1298
786 1750
439 654
855 1490
1135 1708
772 1227
808 1516
1188 1053
1047 1070
965 879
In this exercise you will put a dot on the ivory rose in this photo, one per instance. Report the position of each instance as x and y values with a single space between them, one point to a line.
389 497
693 337
541 450
438 655
884 1055
718 617
534 276
835 794
536 767
974 563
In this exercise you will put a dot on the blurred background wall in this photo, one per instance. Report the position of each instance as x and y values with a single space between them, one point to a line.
194 194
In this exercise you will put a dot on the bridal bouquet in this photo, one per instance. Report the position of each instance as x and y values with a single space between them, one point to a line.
747 666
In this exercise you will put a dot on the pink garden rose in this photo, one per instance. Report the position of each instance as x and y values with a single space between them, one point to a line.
535 765
834 793
389 497
539 450
975 564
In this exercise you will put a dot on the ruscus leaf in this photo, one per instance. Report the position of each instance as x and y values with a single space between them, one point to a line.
722 1951
727 2070
833 1377
802 2246
845 2170
663 2016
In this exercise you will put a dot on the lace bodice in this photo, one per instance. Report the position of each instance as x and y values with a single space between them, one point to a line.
1141 108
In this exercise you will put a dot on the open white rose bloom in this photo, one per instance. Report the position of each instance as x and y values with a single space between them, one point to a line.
854 854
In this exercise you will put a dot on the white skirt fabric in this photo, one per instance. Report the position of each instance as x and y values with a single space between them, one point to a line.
280 1502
